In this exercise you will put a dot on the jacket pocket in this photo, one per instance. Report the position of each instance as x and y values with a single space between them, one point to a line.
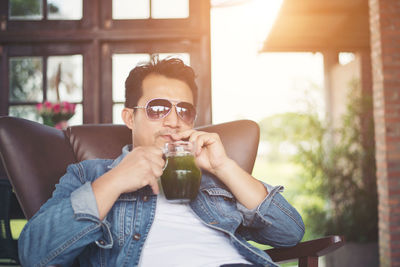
219 192
127 197
222 201
122 217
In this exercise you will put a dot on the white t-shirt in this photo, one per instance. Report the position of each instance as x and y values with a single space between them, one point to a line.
178 238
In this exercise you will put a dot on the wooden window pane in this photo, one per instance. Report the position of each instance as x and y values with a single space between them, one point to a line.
64 10
25 10
131 9
77 119
117 109
122 64
169 9
26 76
64 78
28 112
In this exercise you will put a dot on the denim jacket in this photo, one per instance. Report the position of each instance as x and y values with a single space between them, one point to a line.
67 226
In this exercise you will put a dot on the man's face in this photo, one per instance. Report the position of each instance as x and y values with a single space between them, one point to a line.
147 132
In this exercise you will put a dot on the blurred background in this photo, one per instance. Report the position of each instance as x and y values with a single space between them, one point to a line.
302 69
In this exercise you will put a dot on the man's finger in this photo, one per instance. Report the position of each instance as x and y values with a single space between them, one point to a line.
182 135
154 186
202 140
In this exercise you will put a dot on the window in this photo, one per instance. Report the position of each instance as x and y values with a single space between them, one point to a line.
144 9
55 9
64 78
82 51
27 87
161 9
29 10
66 10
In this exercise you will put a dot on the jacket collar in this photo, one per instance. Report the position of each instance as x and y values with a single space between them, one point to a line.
125 150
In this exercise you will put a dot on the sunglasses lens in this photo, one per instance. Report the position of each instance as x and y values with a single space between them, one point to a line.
186 111
158 108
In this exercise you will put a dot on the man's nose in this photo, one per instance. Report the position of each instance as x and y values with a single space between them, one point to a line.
172 119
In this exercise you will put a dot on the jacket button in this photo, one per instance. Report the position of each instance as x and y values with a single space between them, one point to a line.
101 242
145 198
136 236
226 199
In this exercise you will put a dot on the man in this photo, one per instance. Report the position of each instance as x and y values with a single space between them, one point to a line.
110 212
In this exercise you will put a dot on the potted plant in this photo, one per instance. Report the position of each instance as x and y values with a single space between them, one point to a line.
56 114
337 182
344 161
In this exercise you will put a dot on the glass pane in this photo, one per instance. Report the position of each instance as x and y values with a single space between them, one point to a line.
184 56
25 9
25 112
77 119
345 58
117 109
131 9
26 79
66 10
122 64
64 78
171 9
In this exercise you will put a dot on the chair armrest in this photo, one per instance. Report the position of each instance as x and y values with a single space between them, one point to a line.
313 248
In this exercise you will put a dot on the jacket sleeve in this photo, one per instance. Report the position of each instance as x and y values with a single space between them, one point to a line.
273 222
64 225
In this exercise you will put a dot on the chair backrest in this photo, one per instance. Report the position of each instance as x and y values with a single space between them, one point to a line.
36 156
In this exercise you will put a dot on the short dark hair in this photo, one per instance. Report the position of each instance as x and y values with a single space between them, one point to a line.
169 67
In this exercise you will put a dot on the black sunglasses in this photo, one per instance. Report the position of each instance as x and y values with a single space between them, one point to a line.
159 108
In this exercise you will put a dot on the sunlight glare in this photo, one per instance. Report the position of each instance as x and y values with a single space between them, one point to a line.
258 84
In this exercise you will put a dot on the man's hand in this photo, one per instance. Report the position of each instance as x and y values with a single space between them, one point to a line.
209 152
211 156
141 167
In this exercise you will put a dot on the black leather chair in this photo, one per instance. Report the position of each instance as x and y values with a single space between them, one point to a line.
8 207
36 156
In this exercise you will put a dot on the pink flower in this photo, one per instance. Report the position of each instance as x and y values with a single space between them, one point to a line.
39 107
61 125
65 107
72 108
56 108
53 113
48 105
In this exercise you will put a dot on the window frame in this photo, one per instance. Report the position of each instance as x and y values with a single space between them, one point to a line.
44 51
95 35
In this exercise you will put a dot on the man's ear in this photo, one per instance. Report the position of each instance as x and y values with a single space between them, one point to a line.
128 117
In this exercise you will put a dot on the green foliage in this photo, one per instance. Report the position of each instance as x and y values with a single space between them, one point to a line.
25 79
53 9
22 8
337 183
25 7
27 112
351 172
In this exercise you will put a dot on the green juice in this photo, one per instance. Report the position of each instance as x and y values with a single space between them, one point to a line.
181 178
